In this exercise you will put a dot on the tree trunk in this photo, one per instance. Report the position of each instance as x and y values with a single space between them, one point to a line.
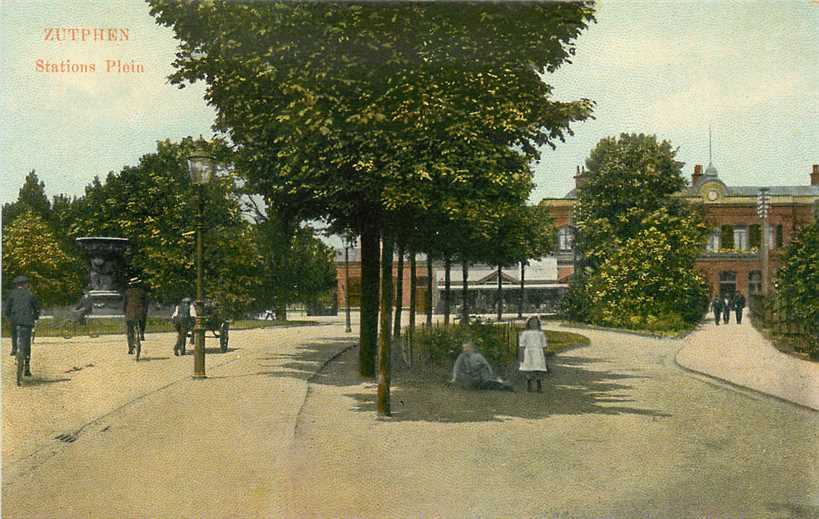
465 294
522 286
399 292
447 285
412 303
429 291
383 396
500 293
386 275
368 327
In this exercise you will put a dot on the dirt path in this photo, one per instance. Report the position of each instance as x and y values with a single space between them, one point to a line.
620 432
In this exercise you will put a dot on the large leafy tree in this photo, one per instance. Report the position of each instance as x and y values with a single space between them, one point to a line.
798 280
637 241
306 272
358 112
153 205
31 197
30 248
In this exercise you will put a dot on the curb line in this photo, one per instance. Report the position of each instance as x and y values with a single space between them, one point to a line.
739 387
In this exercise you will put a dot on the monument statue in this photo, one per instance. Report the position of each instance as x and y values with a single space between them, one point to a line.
107 272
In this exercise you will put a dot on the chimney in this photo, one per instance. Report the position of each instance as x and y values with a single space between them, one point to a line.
697 174
580 178
814 175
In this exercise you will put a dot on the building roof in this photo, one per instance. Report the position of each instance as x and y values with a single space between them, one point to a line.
754 190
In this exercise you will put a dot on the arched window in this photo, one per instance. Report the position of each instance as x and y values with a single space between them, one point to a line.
565 239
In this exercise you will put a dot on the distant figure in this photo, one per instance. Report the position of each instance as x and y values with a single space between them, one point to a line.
472 371
134 307
533 359
739 306
716 306
726 309
22 309
83 308
182 319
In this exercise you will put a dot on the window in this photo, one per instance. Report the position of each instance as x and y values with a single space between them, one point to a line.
779 239
727 283
727 237
565 239
755 282
740 237
713 240
755 236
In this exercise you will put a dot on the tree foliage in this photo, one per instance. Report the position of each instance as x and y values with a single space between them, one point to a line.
637 242
30 248
153 204
798 278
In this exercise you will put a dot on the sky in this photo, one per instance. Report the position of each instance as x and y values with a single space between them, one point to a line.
749 70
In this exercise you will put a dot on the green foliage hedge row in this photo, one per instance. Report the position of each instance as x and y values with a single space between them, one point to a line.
441 345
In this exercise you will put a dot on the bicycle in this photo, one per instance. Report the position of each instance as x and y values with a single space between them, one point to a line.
70 326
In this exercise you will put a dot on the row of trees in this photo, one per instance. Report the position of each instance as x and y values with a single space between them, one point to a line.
151 205
407 123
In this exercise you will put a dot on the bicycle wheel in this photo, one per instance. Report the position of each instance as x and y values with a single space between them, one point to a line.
67 330
21 360
137 343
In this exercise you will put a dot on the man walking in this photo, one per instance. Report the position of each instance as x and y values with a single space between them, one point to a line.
726 309
182 319
22 309
716 306
133 306
739 306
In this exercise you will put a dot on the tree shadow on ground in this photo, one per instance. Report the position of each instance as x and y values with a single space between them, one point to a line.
305 361
422 394
37 381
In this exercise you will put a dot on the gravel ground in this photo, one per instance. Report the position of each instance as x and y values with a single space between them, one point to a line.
619 432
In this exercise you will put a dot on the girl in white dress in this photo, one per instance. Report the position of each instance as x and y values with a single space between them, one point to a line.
533 360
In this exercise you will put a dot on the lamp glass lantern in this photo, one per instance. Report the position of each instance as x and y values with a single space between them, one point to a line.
201 165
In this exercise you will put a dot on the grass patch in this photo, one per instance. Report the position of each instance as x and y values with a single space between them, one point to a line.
441 345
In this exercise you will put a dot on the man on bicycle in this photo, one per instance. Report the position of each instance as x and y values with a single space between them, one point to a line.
22 309
134 307
182 318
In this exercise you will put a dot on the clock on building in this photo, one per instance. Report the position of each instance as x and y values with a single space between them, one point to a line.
713 195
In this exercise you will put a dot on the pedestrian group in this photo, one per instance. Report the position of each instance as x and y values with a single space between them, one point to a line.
723 305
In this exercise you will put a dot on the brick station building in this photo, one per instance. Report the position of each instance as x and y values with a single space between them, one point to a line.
731 260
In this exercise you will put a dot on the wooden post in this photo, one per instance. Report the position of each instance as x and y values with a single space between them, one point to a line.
412 302
429 290
465 294
399 292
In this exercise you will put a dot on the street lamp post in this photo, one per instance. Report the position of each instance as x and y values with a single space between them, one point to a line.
201 168
762 207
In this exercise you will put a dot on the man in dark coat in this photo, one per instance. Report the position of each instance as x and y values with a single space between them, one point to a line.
134 306
739 306
23 310
716 306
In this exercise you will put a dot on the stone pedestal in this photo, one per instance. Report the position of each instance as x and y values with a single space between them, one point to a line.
107 283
